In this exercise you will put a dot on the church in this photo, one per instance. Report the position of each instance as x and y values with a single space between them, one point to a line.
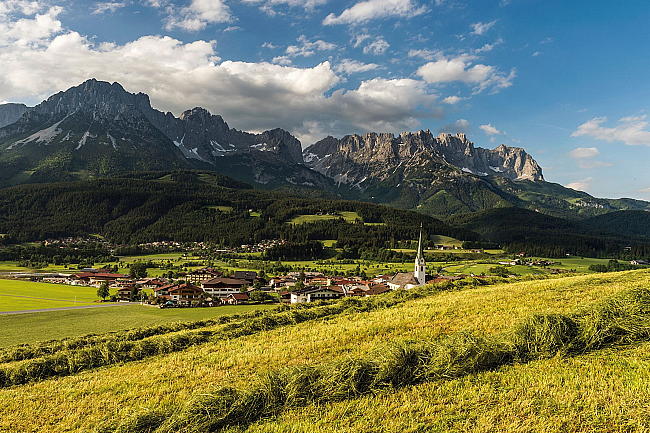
408 280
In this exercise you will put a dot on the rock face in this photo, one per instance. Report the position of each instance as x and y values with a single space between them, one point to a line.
355 159
9 113
102 128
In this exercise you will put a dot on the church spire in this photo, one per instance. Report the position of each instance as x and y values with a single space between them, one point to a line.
419 256
420 265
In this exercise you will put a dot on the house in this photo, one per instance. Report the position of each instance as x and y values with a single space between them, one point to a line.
377 289
197 276
185 294
312 294
235 299
221 287
124 293
638 262
248 276
163 291
355 289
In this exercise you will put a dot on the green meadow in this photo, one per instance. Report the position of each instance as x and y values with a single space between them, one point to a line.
277 374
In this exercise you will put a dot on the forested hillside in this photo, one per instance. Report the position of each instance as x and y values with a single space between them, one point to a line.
196 206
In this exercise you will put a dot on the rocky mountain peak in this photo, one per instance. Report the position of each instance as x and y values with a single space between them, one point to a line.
10 113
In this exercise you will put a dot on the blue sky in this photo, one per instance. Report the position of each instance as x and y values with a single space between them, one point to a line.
567 81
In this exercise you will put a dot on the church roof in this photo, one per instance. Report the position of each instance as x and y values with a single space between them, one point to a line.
403 278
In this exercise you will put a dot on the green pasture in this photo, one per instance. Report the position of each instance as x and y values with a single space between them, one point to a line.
445 240
224 209
16 295
33 327
301 219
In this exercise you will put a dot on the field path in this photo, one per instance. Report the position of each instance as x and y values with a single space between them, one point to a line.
42 310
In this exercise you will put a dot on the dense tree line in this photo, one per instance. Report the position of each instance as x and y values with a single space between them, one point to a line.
191 206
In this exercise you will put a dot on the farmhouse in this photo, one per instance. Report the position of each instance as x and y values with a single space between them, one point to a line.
197 276
222 287
185 294
311 294
235 299
124 293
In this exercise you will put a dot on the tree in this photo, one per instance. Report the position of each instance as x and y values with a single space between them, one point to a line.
299 285
138 269
103 291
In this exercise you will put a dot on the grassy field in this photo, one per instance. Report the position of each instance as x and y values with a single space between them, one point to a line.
34 327
603 390
18 295
301 219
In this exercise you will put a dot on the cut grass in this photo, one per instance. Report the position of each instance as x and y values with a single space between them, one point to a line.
17 295
602 391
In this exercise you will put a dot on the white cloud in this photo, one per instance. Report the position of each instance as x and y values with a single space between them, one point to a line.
643 190
631 130
425 54
308 48
269 45
481 28
546 41
585 156
103 7
178 76
282 60
350 66
25 7
377 47
584 153
359 39
25 31
232 29
452 100
198 14
581 185
488 47
537 53
491 130
461 125
446 70
269 6
376 9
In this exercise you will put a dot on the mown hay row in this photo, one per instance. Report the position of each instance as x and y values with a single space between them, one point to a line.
113 350
622 319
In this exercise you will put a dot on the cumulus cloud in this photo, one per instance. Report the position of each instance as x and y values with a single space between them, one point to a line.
350 66
178 76
452 100
491 130
630 130
461 125
581 185
198 15
28 32
376 9
377 47
446 70
103 7
481 28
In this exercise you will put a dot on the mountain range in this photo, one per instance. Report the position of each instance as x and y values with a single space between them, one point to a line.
99 129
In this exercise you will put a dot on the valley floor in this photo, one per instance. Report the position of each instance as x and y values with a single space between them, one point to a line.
603 390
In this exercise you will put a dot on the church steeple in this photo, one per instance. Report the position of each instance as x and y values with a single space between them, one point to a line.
420 265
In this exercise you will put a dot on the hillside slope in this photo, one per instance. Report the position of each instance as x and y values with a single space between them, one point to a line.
601 390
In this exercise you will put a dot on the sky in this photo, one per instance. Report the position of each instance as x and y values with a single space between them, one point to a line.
567 81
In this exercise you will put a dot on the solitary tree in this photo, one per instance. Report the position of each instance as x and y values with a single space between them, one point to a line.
103 291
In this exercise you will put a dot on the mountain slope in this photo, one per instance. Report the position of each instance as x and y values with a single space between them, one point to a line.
9 113
98 128
630 222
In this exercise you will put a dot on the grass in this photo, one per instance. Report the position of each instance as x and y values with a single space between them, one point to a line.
16 295
600 391
301 219
224 209
445 240
74 323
